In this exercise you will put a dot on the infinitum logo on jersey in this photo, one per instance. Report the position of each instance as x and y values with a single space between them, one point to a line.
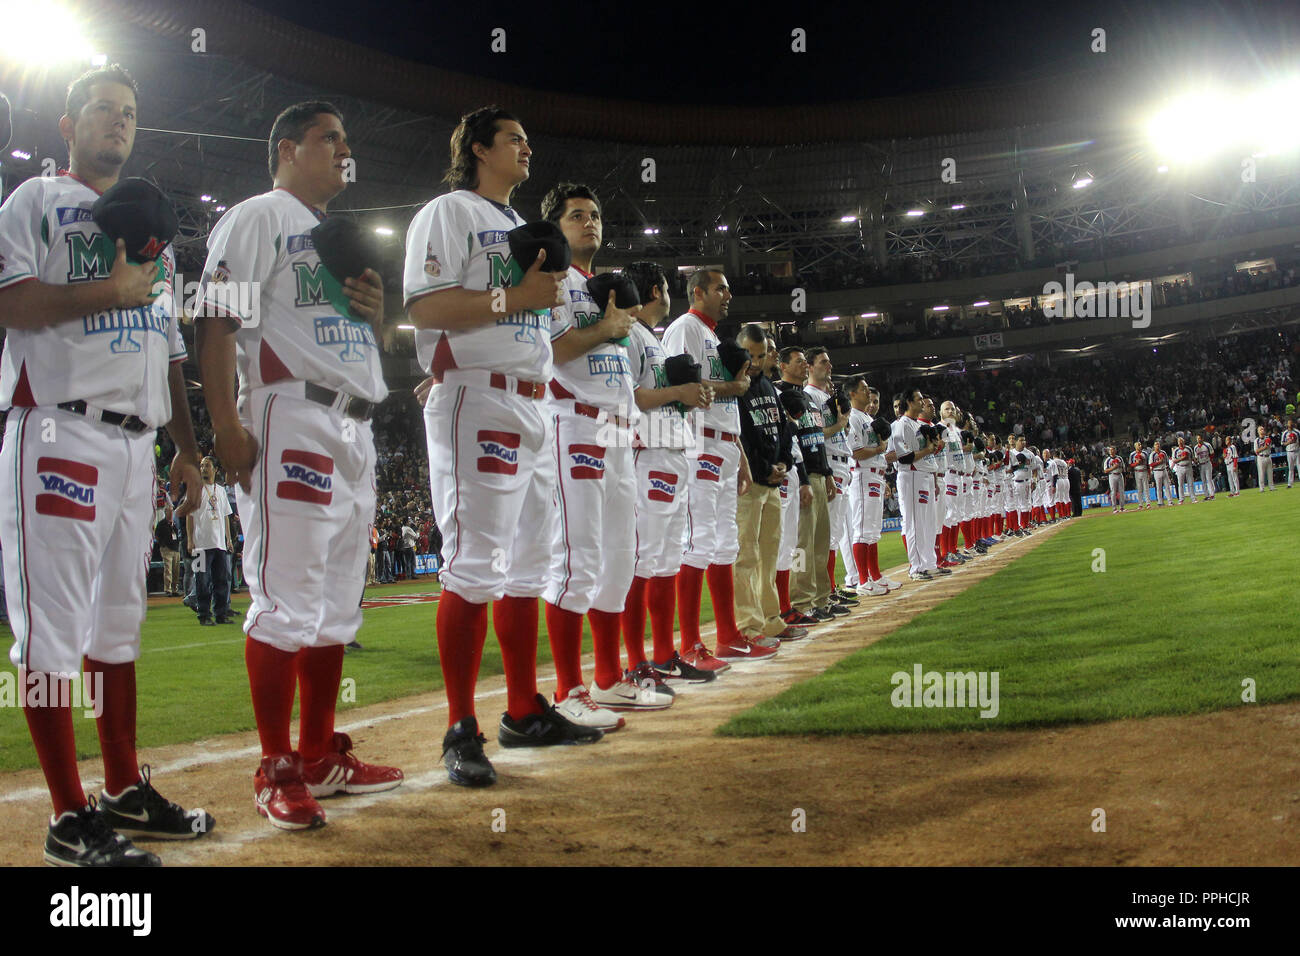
67 488
499 452
69 215
338 330
611 366
710 468
588 461
663 486
307 477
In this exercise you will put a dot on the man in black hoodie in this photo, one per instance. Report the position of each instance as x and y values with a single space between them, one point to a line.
765 436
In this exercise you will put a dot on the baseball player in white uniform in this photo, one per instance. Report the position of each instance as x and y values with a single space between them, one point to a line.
720 471
299 448
91 368
1021 462
664 433
1290 441
1203 456
594 551
937 466
915 486
1062 486
483 331
867 491
1160 475
1181 456
950 480
1113 468
1263 460
838 453
1140 464
1230 456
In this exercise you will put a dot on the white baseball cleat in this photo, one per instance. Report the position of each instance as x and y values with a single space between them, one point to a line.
579 708
873 588
626 694
890 583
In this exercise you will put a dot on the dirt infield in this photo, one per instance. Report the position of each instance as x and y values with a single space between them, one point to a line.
1214 789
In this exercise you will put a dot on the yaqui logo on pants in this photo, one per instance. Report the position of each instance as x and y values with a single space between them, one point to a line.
946 689
37 689
77 909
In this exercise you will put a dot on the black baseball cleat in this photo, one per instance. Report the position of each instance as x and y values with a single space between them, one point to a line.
793 618
843 597
838 610
942 570
677 671
84 838
547 729
462 754
821 615
142 813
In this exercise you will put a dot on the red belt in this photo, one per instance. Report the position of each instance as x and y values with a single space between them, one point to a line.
591 411
721 436
534 390
876 471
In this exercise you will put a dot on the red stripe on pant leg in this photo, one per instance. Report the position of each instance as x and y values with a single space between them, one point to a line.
56 747
516 626
462 629
633 621
661 595
690 590
605 641
320 672
564 628
272 679
723 591
783 590
116 723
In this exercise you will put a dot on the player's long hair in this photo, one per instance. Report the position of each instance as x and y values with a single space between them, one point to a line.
480 127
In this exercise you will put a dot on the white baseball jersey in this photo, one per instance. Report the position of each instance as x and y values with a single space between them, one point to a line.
116 359
295 322
1181 455
1230 455
1114 465
837 444
1159 462
1138 462
666 426
1291 440
459 241
600 376
693 333
1263 446
1201 453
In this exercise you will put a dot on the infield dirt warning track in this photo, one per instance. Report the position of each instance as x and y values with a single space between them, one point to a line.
1211 789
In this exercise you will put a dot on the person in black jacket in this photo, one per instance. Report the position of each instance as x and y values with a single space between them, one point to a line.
169 552
1076 489
765 437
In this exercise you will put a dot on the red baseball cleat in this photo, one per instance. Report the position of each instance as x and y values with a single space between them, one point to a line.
282 797
700 658
339 771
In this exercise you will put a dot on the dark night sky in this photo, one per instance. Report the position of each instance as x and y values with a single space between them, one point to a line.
687 53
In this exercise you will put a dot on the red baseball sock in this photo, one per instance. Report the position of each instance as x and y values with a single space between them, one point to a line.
515 619
462 629
633 621
1024 519
565 631
116 723
830 567
272 680
320 671
690 590
56 746
722 589
661 595
873 561
862 561
605 640
783 590
967 534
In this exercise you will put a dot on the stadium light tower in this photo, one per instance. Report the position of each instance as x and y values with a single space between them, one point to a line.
41 34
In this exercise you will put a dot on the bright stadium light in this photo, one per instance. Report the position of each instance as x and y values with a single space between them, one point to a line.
407 328
99 59
1162 169
959 205
384 230
1194 126
21 154
830 318
205 198
848 218
941 308
980 304
913 213
1266 121
41 33
1082 182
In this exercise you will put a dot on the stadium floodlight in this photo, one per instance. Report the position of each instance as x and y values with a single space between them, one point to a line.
407 328
913 213
384 230
941 308
958 205
980 304
98 59
1082 182
1194 126
848 218
21 154
42 33
221 209
722 227
830 318
205 198
869 315
1266 120
1162 169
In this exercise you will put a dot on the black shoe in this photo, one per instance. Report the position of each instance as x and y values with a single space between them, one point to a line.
942 570
821 615
353 646
838 610
793 618
207 621
921 576
84 838
462 754
547 729
841 597
676 670
225 618
141 812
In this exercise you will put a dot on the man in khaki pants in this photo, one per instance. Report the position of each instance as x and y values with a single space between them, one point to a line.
765 439
810 584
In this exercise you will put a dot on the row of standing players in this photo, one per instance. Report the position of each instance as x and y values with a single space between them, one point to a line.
1173 473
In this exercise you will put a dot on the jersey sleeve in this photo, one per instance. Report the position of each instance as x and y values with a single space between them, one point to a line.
23 235
438 247
688 337
242 248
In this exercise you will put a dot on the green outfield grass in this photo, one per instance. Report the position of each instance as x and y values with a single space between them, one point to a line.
1193 601
193 685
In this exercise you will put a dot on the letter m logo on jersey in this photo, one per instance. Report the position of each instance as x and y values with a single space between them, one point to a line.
316 286
504 272
89 258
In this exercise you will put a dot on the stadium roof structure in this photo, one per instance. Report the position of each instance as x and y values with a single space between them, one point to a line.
975 176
